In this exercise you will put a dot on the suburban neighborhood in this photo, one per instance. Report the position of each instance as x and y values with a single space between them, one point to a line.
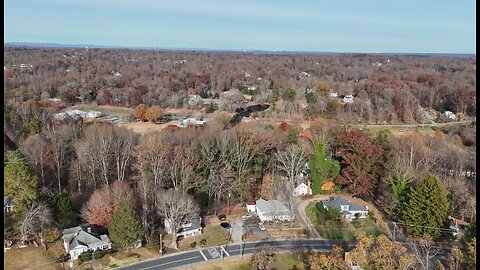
235 135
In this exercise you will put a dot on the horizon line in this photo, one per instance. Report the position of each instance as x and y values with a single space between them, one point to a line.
95 46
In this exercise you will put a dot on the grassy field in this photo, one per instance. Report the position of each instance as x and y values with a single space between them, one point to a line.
123 258
30 257
336 229
107 109
213 233
285 261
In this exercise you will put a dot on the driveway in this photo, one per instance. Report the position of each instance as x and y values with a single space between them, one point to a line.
237 231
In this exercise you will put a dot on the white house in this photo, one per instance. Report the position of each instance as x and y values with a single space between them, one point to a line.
190 227
8 204
79 239
348 99
303 189
346 208
450 115
189 122
251 206
272 210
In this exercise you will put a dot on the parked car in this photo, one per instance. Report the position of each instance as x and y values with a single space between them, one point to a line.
246 216
222 217
225 225
261 226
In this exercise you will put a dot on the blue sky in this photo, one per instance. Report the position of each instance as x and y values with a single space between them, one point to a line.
421 26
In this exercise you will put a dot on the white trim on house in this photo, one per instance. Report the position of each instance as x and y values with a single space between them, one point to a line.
272 210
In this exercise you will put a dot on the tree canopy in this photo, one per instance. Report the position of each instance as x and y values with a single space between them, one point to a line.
125 228
426 207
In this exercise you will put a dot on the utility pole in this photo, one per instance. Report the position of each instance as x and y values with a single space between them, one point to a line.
394 226
161 247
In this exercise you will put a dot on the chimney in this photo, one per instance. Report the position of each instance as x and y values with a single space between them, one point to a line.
67 246
89 229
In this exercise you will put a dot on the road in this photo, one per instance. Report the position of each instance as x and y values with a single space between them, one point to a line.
185 259
420 125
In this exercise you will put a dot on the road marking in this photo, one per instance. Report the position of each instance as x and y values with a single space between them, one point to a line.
203 255
214 253
157 265
225 251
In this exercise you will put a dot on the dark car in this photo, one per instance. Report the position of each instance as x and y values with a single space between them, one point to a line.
225 225
222 217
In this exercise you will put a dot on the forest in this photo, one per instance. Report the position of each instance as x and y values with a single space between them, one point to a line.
84 169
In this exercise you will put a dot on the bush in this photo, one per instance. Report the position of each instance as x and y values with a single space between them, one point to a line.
210 108
85 256
203 242
333 213
371 215
193 244
98 254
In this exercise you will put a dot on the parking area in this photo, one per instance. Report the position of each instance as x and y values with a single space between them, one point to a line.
252 230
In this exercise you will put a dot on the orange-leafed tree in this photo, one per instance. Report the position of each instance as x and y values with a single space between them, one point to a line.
139 112
104 201
153 113
328 186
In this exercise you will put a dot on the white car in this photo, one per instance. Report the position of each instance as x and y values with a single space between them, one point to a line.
261 226
247 216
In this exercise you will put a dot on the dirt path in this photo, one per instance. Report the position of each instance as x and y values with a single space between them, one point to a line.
378 217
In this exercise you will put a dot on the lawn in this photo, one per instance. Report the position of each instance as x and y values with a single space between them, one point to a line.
285 261
213 233
368 226
123 257
30 257
336 229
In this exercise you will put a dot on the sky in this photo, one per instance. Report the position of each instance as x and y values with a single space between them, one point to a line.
363 26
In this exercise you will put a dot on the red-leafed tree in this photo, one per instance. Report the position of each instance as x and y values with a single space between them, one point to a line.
104 201
361 160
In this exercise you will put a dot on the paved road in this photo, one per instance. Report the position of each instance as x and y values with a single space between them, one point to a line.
215 253
421 125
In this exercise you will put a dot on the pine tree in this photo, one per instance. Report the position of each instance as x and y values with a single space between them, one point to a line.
322 167
426 206
19 182
125 227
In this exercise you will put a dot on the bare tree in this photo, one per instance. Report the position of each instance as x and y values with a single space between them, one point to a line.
123 143
35 148
425 249
243 150
58 138
181 169
174 207
290 163
152 153
34 221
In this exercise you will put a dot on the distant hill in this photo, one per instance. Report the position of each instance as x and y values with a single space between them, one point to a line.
93 46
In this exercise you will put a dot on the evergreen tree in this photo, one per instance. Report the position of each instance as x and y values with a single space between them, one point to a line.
322 167
426 206
125 228
19 182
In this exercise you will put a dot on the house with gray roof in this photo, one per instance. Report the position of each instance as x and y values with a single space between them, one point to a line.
79 239
192 225
272 210
8 204
347 209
